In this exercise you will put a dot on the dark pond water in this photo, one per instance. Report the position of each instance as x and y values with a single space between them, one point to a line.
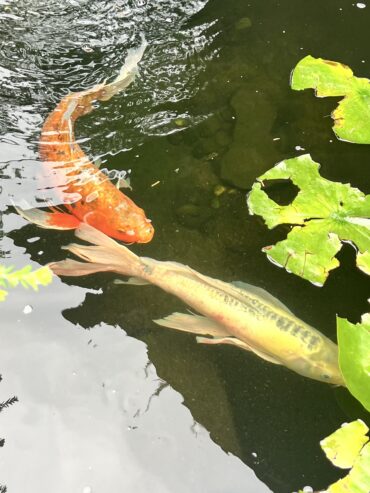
107 400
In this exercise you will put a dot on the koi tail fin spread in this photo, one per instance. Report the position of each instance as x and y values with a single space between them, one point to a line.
103 255
127 73
49 220
81 102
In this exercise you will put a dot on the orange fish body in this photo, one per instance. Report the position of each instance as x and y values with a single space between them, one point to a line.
96 200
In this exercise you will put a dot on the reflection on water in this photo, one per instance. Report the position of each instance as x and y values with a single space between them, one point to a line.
48 52
94 413
210 110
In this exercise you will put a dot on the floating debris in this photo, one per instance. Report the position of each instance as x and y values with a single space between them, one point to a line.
219 190
243 23
180 122
27 309
211 156
32 240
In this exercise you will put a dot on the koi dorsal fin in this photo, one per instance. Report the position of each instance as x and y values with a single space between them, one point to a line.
261 293
239 289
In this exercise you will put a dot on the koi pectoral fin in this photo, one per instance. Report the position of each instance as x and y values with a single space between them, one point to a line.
195 324
241 344
123 183
132 281
49 220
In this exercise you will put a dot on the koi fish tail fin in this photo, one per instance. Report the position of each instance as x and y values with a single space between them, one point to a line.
74 268
127 73
49 220
81 103
103 255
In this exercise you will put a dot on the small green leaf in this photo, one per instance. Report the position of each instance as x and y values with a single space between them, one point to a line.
354 357
363 262
324 213
352 116
348 447
358 479
26 277
344 445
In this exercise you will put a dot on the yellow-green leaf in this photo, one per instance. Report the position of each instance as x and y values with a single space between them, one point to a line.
349 448
26 277
358 479
324 214
354 357
344 445
328 78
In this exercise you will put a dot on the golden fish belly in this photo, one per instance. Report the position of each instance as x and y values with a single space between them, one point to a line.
262 325
258 323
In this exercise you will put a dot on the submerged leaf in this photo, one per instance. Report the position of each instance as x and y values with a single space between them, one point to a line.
348 447
324 213
27 277
354 357
352 116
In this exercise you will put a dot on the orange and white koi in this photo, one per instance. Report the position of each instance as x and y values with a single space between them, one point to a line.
99 202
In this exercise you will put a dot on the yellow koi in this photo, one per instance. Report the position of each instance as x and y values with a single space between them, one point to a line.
238 313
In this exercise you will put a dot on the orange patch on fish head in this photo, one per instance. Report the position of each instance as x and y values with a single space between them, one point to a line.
131 223
143 236
145 231
136 229
125 222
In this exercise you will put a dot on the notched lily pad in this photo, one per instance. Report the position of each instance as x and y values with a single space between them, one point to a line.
352 115
354 357
324 213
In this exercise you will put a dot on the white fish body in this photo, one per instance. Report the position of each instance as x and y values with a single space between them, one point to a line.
246 316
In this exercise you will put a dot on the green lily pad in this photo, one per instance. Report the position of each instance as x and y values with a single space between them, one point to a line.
354 357
352 115
324 213
348 447
344 445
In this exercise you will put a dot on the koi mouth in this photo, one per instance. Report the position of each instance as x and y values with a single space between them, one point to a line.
140 235
146 234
